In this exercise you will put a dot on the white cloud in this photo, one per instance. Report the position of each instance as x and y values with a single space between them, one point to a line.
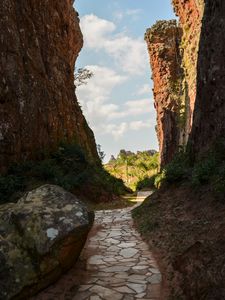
138 125
145 89
116 130
139 106
133 108
134 12
100 86
118 15
94 97
119 130
95 30
129 53
99 110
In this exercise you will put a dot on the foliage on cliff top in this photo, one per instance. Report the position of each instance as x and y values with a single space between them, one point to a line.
67 167
159 28
133 168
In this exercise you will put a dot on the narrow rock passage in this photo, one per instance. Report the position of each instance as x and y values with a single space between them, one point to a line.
115 264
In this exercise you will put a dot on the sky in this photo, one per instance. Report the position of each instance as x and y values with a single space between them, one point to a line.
118 101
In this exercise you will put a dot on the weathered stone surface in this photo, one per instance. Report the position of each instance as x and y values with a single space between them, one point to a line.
115 277
40 41
173 53
41 236
163 41
190 14
208 123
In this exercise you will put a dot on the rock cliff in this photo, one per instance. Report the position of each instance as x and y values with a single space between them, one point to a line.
181 56
208 124
190 20
163 41
39 44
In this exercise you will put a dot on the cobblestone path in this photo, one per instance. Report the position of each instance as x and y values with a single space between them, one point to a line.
115 265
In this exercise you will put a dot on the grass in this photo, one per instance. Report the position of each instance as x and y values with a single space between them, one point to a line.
146 214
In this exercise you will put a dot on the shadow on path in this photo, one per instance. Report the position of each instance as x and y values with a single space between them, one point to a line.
114 265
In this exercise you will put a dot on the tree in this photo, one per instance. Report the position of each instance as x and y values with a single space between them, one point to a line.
112 159
101 153
81 76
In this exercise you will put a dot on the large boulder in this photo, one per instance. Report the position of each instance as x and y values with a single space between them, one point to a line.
41 236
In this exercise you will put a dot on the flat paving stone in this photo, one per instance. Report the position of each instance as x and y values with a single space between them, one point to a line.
116 269
96 260
106 293
138 288
155 279
115 264
127 245
95 298
128 252
124 290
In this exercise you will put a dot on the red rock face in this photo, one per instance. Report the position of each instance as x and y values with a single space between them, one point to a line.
174 75
39 43
209 122
190 16
163 41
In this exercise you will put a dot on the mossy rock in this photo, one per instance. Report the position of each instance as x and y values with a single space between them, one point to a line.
41 237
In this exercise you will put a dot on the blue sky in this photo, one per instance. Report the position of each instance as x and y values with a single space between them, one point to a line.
118 102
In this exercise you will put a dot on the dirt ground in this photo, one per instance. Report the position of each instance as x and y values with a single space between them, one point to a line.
186 231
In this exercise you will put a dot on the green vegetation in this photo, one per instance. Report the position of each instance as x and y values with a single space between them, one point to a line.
134 169
208 170
67 167
146 224
81 76
179 97
146 182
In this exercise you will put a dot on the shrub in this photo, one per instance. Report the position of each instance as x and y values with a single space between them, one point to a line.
218 179
9 185
147 182
22 168
174 172
69 154
67 167
203 171
109 182
177 169
159 179
71 181
47 170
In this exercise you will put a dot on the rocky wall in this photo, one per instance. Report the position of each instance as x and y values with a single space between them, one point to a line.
39 44
190 14
209 114
163 41
173 50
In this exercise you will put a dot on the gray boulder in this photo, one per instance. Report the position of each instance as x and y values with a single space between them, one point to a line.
41 237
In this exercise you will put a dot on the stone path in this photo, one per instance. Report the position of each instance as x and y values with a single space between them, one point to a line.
142 195
115 265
